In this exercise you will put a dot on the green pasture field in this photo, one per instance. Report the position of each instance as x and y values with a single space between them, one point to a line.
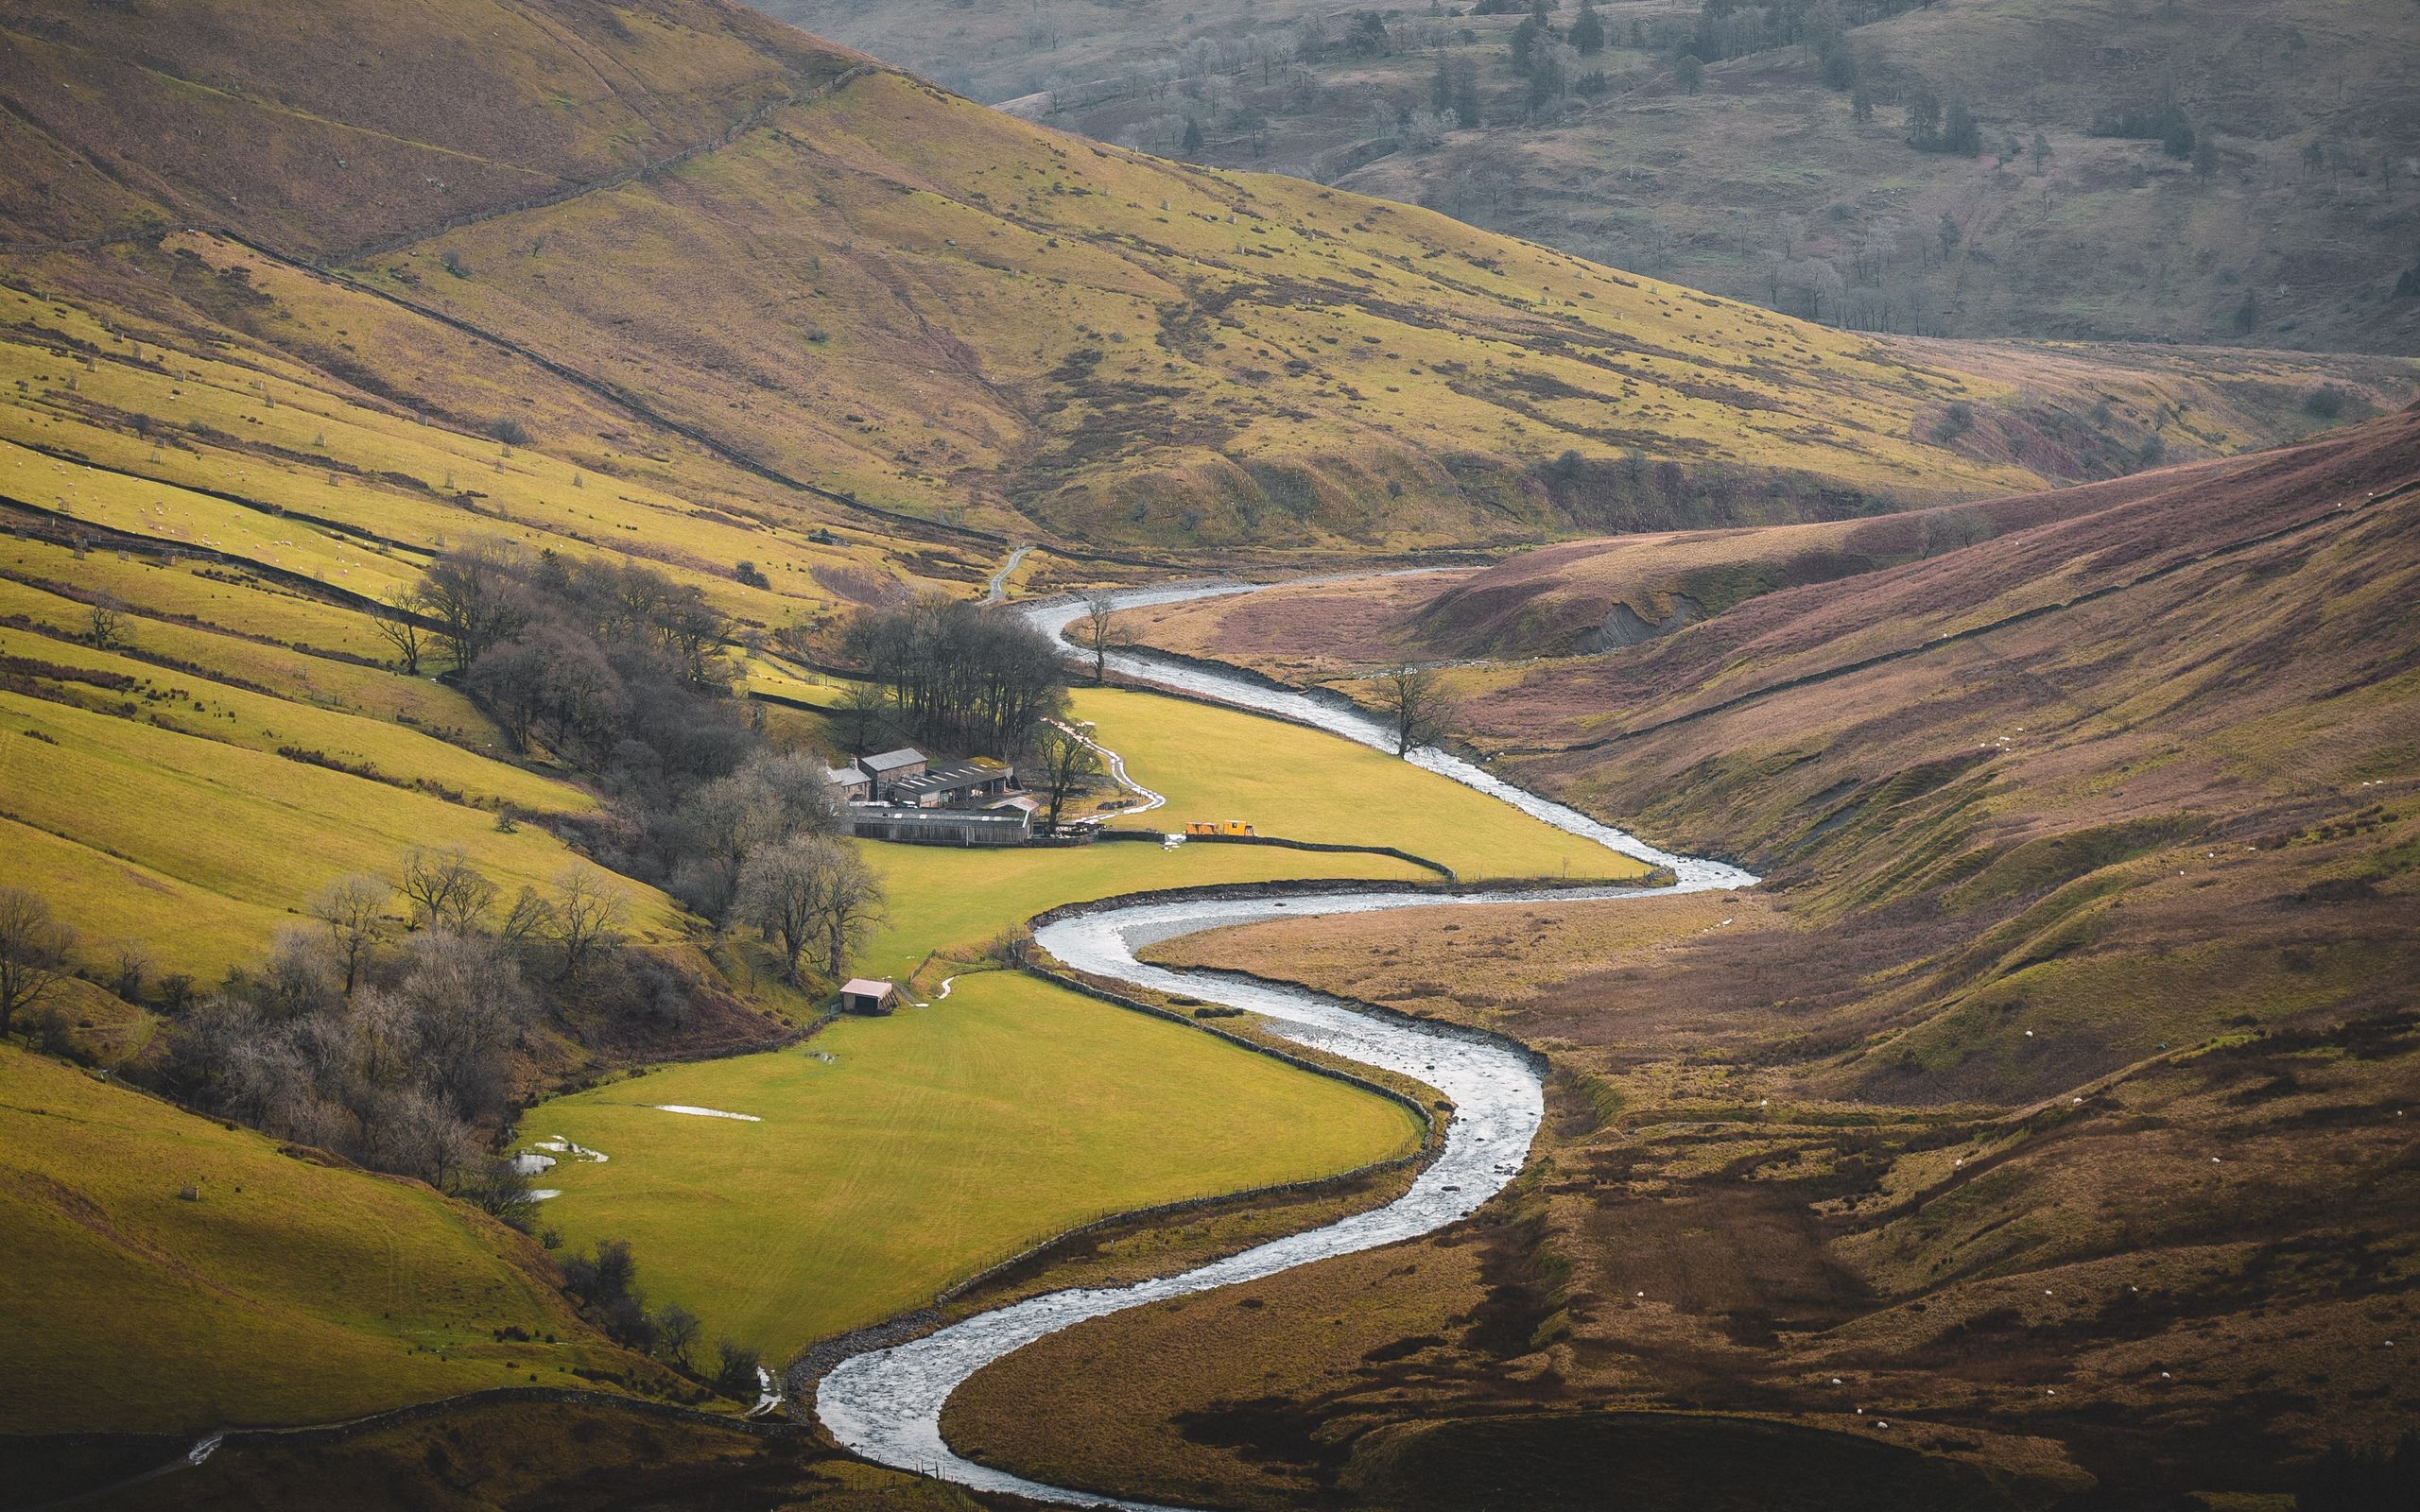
935 1142
1304 784
290 1292
949 900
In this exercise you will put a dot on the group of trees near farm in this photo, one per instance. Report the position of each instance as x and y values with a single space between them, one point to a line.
614 667
957 677
619 671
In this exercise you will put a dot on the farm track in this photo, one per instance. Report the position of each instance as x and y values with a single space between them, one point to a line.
885 1403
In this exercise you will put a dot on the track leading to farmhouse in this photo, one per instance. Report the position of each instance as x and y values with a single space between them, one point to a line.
886 1404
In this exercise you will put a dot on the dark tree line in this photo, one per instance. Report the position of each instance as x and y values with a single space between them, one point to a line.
2163 121
959 678
1934 126
1734 28
614 667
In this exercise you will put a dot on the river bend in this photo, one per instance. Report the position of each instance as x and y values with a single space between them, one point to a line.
886 1404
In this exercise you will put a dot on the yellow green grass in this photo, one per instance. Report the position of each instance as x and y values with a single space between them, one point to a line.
1304 784
290 1292
220 597
150 819
944 900
393 488
332 682
935 1142
192 704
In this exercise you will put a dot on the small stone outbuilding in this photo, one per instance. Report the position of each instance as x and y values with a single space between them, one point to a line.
867 995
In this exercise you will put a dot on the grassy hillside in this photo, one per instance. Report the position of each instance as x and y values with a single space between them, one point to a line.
2044 1103
493 1455
2305 203
257 1301
1744 187
1304 784
860 285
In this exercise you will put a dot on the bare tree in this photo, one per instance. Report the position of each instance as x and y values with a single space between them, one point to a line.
864 703
134 965
781 891
475 594
398 621
469 1009
445 891
1068 763
423 1137
587 918
675 1334
807 891
33 952
852 906
355 910
381 1031
529 916
1415 704
1098 632
106 625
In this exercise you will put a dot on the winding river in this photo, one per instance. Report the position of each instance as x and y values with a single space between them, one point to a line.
886 1404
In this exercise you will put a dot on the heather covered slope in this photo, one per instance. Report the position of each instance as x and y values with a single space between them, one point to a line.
333 127
1770 180
2047 1107
1605 593
868 285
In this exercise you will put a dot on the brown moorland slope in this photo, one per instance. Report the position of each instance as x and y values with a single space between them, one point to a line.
2046 1108
1610 592
1767 182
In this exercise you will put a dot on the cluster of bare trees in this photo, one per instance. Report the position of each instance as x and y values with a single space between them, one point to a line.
761 848
386 1032
619 670
810 893
614 667
957 676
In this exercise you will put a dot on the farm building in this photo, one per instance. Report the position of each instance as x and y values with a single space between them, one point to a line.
977 779
886 768
915 826
848 785
865 995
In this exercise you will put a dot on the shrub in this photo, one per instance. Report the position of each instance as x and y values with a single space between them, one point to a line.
735 1370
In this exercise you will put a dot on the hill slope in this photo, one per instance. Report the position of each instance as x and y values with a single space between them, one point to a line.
1762 183
744 242
255 1301
2045 1107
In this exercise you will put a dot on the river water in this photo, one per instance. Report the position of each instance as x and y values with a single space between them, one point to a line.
886 1404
